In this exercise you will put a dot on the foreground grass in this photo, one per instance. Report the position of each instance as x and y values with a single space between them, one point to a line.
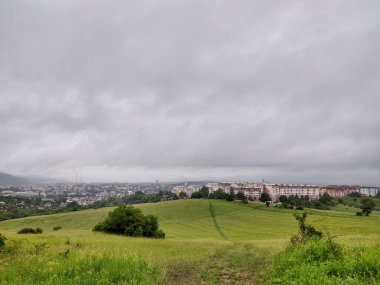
208 242
109 259
325 261
72 266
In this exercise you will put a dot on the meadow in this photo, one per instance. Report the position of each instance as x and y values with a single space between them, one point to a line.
207 242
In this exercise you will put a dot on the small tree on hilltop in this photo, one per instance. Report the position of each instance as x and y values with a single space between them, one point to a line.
129 221
367 205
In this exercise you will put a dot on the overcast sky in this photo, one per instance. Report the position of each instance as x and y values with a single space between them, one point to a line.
140 90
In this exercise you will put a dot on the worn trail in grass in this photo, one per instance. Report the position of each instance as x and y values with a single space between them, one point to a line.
218 229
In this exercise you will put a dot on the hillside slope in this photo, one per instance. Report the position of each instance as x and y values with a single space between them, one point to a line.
192 219
207 242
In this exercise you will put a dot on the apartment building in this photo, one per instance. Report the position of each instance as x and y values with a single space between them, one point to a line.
277 190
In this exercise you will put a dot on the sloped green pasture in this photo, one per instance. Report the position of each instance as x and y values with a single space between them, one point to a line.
209 241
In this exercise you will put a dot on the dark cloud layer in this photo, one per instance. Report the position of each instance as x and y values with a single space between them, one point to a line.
142 90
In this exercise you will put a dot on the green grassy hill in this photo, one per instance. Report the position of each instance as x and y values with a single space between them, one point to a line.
191 219
214 242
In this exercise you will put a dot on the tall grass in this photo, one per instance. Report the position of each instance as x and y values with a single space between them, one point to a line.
324 261
36 264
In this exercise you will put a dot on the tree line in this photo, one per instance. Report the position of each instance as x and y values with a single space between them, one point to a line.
290 202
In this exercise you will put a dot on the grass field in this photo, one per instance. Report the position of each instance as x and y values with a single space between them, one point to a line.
209 242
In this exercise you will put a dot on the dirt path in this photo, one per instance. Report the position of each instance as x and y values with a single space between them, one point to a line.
217 227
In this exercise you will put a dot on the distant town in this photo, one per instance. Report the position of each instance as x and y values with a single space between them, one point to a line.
55 196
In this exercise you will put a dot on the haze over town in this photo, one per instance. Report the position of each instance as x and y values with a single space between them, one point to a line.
191 90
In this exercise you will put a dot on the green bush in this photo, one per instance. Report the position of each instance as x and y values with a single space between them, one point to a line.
244 201
129 221
326 262
30 231
306 231
367 205
57 228
316 258
2 241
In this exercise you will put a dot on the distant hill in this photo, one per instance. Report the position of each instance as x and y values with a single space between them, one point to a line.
8 179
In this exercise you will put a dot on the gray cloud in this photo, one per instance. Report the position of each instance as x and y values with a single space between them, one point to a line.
139 90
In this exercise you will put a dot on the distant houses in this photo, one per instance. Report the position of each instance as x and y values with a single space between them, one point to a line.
313 192
253 190
277 190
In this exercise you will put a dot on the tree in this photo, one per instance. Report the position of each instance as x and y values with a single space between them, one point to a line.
240 196
354 194
230 197
284 200
196 195
204 192
367 205
306 232
326 199
265 197
129 221
218 194
182 195
74 206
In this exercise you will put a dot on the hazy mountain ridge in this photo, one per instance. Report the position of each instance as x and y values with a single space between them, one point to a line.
8 179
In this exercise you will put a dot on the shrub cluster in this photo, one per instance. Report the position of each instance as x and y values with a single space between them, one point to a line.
2 241
301 202
316 258
367 205
30 231
129 221
306 231
354 194
326 262
57 228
